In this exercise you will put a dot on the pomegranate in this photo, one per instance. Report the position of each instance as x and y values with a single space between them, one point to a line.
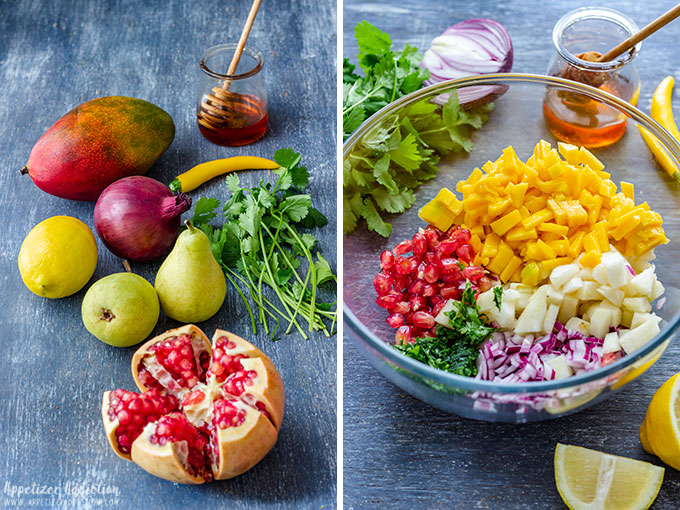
413 289
205 412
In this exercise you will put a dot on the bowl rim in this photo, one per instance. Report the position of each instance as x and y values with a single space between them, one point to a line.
469 383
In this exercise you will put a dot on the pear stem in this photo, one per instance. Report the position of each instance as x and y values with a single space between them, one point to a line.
127 266
191 228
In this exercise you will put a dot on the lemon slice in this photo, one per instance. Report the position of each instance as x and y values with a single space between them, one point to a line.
592 480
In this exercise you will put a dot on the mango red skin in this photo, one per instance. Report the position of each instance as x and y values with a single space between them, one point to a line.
97 143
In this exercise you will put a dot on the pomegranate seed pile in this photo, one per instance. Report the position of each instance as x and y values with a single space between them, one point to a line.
414 288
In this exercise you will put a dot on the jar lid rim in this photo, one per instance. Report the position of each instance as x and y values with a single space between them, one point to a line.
590 13
252 52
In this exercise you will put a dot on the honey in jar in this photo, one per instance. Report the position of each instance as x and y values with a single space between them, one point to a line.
580 37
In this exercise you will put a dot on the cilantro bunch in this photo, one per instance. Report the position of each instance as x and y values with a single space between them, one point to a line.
395 157
388 75
260 244
454 349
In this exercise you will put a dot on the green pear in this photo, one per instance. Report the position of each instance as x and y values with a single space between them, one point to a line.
190 283
120 309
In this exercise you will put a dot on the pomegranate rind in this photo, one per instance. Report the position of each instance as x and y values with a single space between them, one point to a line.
241 447
162 461
145 350
110 427
268 385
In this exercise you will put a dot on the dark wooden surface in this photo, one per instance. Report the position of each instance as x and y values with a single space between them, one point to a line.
400 453
55 55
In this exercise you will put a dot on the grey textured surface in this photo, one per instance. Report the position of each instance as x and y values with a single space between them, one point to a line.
400 453
55 55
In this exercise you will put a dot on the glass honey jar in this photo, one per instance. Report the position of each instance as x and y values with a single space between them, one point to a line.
580 37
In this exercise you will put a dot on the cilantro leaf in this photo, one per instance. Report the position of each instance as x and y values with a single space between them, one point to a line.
204 211
387 76
498 296
233 183
373 219
453 349
324 273
372 43
287 158
314 219
296 207
399 154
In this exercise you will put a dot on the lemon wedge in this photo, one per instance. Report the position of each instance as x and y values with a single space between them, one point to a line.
660 431
591 480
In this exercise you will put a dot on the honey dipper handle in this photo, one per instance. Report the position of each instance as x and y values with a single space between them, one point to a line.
655 25
242 42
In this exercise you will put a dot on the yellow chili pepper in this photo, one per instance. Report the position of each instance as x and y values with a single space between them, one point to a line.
193 178
661 106
662 112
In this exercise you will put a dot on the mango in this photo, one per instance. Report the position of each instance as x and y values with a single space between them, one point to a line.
97 143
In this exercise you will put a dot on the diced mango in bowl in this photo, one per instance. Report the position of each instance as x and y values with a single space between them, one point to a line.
529 218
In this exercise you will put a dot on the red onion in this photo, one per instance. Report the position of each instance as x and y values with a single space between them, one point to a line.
512 358
472 47
138 218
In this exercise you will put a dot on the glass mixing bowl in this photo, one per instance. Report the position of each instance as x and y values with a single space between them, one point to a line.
517 120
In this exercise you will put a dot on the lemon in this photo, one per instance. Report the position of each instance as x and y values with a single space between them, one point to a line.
58 257
592 480
660 430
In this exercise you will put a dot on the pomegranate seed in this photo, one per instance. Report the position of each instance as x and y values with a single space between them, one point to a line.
382 284
450 292
447 248
417 287
403 335
387 301
407 265
395 320
449 266
401 307
473 273
387 259
417 302
419 244
431 332
423 320
437 308
484 284
429 290
459 235
465 253
402 247
449 280
400 282
431 273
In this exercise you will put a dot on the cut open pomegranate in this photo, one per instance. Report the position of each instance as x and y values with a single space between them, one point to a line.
205 412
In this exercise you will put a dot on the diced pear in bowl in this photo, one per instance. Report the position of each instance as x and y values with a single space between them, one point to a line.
616 265
562 274
638 336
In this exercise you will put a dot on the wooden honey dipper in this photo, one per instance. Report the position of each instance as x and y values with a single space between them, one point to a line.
222 106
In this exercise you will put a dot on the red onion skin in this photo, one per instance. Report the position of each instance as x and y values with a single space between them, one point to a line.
138 218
